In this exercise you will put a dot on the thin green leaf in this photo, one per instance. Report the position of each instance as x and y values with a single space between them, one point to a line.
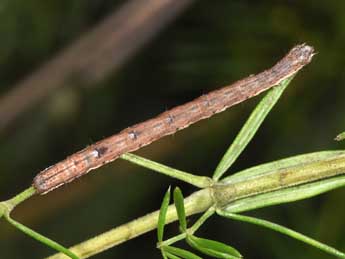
179 204
250 128
213 248
41 238
162 215
180 252
164 254
171 256
198 181
285 231
282 163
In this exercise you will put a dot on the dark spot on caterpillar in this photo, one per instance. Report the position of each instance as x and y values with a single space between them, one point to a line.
101 151
133 135
76 162
170 119
193 108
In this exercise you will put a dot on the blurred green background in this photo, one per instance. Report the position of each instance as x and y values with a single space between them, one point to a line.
211 44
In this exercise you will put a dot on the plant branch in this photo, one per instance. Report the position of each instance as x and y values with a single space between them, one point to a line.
283 230
7 206
198 202
40 238
201 220
191 230
198 181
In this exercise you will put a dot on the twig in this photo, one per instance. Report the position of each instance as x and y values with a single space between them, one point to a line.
258 189
195 203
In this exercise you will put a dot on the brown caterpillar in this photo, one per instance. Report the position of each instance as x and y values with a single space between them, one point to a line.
180 117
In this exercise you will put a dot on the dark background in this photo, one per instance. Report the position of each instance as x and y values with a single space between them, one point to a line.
211 44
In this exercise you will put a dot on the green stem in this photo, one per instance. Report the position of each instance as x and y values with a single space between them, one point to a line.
282 180
7 206
173 240
198 181
40 238
171 256
191 230
199 201
283 230
201 220
24 195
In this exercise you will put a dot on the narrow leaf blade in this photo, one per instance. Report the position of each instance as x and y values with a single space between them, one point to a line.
285 231
198 181
250 128
162 215
179 204
213 248
180 252
171 256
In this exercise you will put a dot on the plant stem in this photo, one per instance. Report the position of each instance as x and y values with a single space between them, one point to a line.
173 240
9 205
198 181
197 202
40 238
280 179
285 231
201 220
191 230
